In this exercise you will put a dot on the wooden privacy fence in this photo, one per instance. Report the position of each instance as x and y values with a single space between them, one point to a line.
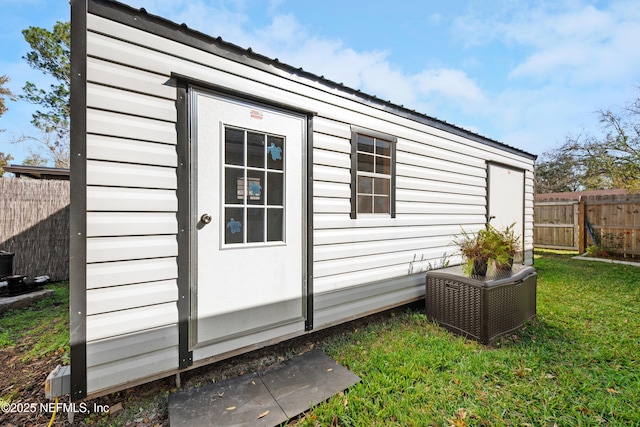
34 225
556 224
610 221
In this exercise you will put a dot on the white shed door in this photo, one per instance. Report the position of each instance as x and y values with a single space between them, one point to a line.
249 215
506 198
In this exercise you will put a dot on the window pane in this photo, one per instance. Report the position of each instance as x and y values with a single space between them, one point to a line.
275 225
233 220
365 143
275 152
383 147
233 186
382 186
275 188
381 204
234 147
365 204
255 187
365 163
365 185
255 222
255 150
383 165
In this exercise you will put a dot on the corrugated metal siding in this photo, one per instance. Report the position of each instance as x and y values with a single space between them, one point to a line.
353 302
433 195
360 266
529 197
441 186
132 247
133 356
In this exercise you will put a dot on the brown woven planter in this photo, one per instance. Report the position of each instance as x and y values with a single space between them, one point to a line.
481 308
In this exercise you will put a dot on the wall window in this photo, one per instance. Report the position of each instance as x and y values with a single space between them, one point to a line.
372 174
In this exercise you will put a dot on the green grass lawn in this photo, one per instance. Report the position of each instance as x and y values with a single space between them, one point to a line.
41 329
577 365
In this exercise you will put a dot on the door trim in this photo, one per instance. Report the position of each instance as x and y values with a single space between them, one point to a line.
187 198
185 250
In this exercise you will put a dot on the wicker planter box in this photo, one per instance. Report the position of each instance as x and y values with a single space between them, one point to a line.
481 307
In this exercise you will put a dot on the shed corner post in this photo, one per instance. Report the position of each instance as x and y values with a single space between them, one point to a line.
185 251
309 306
78 217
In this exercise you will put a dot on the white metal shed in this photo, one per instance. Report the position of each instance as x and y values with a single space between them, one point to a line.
223 201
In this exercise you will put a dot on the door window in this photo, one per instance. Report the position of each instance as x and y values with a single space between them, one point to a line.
253 186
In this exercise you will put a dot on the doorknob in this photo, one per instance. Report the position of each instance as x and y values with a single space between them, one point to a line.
205 218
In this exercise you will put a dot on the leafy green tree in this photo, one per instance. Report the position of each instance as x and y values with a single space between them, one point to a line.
589 162
51 54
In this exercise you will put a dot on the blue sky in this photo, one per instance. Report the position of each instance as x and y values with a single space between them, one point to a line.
525 73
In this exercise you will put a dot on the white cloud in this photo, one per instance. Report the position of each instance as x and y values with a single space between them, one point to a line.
285 38
585 47
451 83
436 18
572 42
564 60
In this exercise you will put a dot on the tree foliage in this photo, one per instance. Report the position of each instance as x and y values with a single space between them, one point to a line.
35 159
4 161
558 171
4 158
3 92
51 54
588 162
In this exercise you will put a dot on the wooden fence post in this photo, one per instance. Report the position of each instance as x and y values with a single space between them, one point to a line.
581 226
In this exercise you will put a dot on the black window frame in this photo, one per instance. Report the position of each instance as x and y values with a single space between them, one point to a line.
355 132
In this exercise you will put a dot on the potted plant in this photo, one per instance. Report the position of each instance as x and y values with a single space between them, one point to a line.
504 245
476 251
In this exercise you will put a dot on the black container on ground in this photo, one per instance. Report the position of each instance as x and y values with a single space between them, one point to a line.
17 284
6 264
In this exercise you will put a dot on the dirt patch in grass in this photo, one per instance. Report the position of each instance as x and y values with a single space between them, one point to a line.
22 384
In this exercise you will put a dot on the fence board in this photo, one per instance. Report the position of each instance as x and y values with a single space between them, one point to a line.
34 225
555 224
615 220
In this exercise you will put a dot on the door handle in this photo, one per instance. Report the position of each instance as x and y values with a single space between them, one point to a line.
205 218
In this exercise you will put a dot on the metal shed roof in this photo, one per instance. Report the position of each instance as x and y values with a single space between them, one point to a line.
216 45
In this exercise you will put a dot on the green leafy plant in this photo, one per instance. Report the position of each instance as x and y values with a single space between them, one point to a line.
490 243
608 244
594 250
503 245
476 250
